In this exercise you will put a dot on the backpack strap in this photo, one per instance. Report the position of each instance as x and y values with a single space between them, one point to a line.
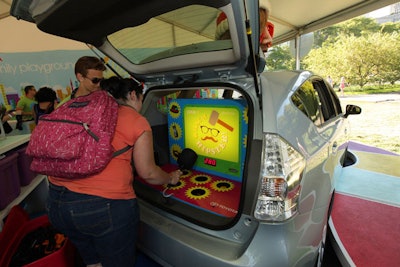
121 151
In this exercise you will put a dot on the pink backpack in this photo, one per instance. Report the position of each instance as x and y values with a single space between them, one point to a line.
74 141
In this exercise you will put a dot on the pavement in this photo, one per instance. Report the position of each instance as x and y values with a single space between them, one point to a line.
372 97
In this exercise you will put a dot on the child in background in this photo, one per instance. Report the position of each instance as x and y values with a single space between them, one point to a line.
46 102
25 106
4 117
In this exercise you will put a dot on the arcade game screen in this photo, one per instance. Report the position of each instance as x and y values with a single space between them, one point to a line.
216 129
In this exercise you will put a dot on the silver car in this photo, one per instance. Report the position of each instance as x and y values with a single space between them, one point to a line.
260 150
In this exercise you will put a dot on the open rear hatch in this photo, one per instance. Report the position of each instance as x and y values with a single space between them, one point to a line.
153 40
195 59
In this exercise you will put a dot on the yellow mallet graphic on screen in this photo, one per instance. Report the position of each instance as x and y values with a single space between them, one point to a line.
214 119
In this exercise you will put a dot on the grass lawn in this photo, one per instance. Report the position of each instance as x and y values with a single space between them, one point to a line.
372 89
379 123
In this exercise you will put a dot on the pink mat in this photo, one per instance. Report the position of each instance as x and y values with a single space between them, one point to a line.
368 231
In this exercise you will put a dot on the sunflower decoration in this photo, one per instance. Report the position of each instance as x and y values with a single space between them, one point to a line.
186 173
175 150
197 192
245 115
222 186
175 131
200 179
245 141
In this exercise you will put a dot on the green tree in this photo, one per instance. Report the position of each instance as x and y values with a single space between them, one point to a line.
359 49
359 26
390 27
388 57
355 27
279 58
364 59
326 35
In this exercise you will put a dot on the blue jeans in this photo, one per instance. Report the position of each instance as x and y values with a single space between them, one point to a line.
103 230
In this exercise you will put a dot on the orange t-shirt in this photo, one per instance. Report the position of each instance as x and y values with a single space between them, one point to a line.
115 181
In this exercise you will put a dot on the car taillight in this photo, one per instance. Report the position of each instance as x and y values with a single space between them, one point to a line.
281 171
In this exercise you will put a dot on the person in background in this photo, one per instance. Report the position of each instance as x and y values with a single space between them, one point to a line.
266 32
25 103
222 27
46 99
100 213
330 81
4 117
24 107
266 27
89 73
342 85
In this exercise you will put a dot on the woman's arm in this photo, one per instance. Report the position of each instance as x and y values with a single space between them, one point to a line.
143 157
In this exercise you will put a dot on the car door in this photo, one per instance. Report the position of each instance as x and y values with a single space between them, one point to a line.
333 128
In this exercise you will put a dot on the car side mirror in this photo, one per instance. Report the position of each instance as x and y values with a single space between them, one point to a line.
352 110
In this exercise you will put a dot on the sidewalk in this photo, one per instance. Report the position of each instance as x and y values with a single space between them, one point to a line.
371 98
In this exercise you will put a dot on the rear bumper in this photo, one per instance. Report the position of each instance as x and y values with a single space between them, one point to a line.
248 243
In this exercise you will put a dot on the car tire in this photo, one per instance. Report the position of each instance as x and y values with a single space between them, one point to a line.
321 249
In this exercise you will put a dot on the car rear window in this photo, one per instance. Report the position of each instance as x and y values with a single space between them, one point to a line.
188 30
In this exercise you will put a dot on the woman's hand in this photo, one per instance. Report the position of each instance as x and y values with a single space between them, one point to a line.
174 177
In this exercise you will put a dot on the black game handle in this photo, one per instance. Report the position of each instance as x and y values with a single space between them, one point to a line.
186 160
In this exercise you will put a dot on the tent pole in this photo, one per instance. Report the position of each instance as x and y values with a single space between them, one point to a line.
297 47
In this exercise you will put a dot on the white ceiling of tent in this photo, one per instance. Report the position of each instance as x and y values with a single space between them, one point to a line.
294 17
5 8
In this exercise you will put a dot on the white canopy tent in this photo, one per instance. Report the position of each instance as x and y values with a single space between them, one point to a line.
5 8
293 18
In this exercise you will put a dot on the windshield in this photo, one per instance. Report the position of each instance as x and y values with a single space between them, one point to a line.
188 30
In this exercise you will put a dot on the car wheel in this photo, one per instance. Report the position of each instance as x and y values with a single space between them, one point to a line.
321 248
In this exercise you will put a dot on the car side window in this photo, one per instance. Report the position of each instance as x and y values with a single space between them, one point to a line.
306 99
317 101
335 98
327 105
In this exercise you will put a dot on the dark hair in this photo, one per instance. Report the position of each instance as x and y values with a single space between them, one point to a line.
119 88
28 88
86 63
111 85
45 94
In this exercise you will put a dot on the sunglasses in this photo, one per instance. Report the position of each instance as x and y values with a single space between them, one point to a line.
95 80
